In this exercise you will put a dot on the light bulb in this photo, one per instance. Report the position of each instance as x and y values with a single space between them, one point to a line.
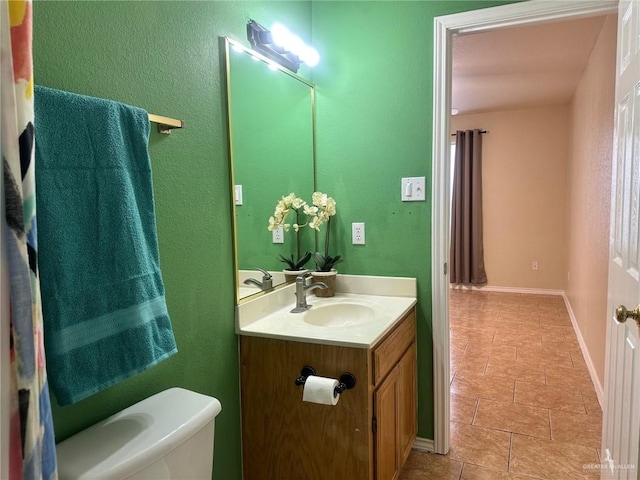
295 45
280 34
310 56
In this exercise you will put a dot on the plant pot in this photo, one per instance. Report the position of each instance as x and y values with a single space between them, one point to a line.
329 279
291 275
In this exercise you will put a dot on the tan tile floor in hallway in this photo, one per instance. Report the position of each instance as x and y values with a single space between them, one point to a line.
522 402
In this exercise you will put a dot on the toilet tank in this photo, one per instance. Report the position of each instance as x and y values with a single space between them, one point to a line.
166 436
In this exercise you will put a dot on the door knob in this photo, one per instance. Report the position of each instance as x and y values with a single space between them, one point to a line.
622 314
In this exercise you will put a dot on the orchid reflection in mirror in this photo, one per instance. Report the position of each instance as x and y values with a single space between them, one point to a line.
285 205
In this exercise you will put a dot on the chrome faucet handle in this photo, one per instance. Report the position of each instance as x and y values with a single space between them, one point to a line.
265 275
315 285
304 274
267 282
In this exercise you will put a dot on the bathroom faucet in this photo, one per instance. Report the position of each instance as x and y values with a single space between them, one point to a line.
301 293
266 284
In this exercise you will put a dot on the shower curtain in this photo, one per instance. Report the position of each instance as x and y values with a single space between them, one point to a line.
467 248
31 437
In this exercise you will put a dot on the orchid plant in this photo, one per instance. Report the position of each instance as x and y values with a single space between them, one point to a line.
323 208
283 208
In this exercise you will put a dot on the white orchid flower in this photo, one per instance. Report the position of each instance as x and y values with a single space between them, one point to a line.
310 211
319 199
315 223
298 203
288 200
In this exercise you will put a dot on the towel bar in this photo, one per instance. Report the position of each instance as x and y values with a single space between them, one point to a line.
165 124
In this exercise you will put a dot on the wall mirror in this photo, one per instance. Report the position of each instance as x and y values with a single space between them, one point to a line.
271 131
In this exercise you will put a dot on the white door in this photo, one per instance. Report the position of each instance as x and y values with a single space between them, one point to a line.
621 425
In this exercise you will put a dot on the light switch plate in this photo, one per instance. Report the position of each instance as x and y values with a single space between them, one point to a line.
238 192
413 189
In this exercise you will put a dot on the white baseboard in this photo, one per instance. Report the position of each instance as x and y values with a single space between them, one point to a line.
585 353
424 445
492 288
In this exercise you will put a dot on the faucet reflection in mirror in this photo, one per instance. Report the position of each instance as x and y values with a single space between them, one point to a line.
265 284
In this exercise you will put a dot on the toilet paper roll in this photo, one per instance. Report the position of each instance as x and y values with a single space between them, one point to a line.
320 390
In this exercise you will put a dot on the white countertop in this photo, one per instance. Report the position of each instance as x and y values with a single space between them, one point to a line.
269 315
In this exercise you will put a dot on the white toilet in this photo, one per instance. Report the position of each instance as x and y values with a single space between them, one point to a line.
166 436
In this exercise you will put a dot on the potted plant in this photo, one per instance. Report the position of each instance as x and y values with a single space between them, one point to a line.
295 264
323 209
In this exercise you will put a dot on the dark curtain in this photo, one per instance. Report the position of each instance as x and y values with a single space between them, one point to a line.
467 251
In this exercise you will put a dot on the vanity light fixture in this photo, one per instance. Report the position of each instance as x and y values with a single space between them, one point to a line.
281 46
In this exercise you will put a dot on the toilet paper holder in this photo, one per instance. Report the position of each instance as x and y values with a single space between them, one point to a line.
347 380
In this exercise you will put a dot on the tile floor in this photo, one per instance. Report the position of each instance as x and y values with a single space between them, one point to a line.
522 402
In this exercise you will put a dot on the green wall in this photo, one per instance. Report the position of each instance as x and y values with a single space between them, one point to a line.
374 108
374 98
165 57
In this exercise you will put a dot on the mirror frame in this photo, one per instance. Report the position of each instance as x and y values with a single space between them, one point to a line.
229 44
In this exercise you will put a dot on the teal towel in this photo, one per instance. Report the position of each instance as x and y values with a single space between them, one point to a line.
104 310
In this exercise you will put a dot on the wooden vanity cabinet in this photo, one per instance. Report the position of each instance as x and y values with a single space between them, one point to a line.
395 399
368 435
407 403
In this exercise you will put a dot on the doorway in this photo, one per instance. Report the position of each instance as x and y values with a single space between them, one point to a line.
445 27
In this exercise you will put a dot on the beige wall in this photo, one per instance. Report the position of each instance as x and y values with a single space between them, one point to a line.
589 189
524 193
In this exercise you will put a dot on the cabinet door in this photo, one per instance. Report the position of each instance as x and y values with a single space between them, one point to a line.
386 437
407 403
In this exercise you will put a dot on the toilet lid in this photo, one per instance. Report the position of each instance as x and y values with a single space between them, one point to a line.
135 437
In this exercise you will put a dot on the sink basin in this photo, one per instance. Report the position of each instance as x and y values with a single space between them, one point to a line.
339 314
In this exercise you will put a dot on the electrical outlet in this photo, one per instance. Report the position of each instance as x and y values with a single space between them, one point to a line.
357 233
534 265
238 194
278 235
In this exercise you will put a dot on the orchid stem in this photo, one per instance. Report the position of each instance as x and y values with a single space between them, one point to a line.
326 239
298 234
